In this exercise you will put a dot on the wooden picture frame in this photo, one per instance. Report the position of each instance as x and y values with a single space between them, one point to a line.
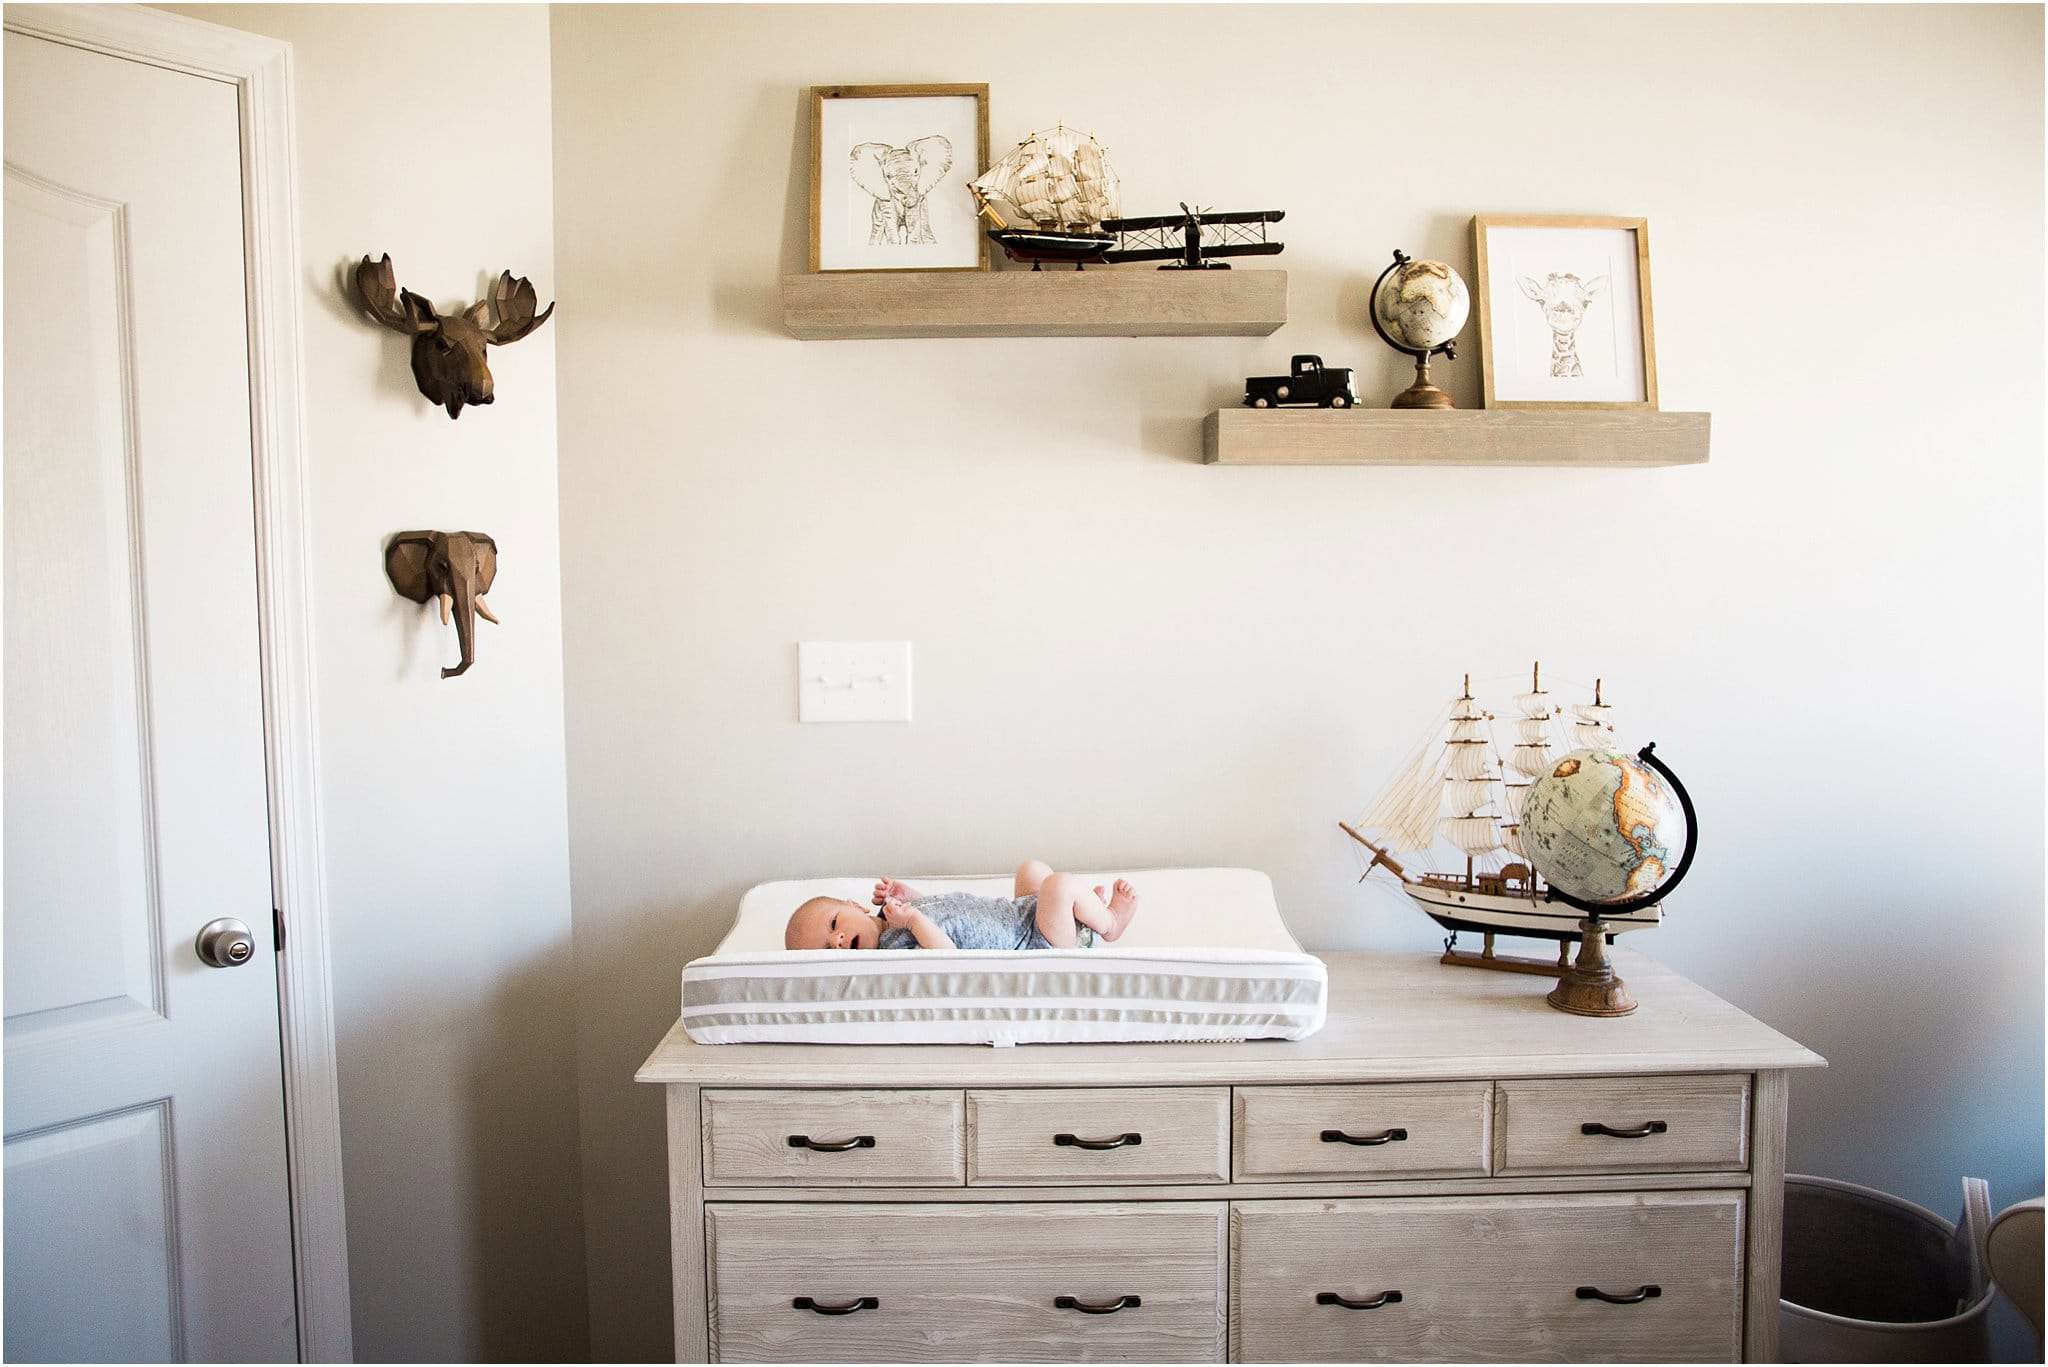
835 204
1519 315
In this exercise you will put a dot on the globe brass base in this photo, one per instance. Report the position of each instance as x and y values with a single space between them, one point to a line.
1422 394
1590 986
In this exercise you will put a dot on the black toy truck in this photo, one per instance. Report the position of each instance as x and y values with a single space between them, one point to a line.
1310 383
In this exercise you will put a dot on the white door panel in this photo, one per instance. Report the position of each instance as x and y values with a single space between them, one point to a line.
144 1105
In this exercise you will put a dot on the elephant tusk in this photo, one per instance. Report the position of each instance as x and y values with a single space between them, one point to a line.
447 601
483 610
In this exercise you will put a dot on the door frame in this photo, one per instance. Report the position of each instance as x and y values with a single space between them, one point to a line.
260 69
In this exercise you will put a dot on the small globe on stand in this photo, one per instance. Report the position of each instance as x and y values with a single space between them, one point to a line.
1418 308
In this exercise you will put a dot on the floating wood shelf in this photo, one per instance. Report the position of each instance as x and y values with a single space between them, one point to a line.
1457 436
1102 302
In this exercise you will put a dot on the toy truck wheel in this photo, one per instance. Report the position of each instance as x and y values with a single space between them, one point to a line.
1261 402
1280 392
1340 401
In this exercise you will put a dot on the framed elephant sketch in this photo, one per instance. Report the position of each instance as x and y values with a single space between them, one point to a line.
889 171
1564 311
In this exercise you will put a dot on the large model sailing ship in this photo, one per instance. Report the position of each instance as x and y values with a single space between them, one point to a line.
1465 790
1057 187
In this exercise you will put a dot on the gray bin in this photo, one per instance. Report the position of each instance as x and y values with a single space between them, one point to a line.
1869 1277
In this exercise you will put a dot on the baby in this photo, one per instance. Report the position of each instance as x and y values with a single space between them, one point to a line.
1050 911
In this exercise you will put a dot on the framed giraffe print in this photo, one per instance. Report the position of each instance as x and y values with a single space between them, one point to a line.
1564 311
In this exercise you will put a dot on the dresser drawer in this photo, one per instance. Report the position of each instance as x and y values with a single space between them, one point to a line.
833 1139
965 1283
1396 1129
1098 1136
1489 1278
1686 1123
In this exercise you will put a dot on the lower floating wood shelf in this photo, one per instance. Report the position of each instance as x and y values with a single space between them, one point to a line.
844 305
1454 436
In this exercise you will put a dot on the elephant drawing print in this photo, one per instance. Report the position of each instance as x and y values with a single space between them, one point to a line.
1564 311
900 179
456 568
890 166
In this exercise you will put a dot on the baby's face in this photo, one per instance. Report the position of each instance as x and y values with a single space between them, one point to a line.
831 923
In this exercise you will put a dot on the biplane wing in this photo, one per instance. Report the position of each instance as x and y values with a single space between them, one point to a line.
1191 237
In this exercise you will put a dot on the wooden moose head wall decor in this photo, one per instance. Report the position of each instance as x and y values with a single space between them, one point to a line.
457 568
448 349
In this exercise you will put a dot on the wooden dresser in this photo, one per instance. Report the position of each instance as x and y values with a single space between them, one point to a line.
1450 1170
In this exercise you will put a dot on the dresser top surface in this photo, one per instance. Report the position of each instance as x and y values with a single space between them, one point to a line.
1392 1017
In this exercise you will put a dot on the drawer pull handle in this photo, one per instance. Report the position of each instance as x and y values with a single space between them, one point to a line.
1635 1297
1098 1307
1130 1140
842 1308
1642 1131
1383 1137
1384 1298
804 1141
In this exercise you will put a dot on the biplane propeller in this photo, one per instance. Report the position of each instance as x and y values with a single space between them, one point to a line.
1202 235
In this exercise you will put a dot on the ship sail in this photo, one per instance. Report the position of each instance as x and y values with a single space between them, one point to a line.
1593 724
1058 181
1529 756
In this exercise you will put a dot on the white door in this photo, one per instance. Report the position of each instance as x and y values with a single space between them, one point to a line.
147 1215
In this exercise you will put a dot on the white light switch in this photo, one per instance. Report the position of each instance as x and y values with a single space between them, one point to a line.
853 680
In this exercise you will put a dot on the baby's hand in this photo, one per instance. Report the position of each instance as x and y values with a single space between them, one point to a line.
891 890
899 915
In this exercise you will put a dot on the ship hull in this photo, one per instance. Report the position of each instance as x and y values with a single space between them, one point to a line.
1485 913
1036 245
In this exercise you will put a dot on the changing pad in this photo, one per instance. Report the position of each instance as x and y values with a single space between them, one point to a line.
1208 958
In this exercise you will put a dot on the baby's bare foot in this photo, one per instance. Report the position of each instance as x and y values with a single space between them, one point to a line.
1123 905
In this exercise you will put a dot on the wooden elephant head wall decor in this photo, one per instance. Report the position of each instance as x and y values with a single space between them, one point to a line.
455 567
448 360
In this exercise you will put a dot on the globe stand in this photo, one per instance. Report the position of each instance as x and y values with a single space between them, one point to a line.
1421 394
1590 987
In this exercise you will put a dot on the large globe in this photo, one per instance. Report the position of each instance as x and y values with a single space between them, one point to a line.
1603 827
1422 304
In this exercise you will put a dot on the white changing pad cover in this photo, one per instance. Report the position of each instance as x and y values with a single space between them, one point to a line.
1207 959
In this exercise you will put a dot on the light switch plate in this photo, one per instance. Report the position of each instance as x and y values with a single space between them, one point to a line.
853 680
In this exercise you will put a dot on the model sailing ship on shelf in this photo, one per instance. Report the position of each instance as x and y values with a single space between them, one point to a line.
1055 197
1464 789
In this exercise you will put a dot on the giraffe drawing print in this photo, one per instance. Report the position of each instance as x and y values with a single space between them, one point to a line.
1564 298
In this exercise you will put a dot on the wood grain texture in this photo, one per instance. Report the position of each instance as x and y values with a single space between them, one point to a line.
686 1228
1537 1124
1262 1191
1103 302
917 1138
967 1283
1184 1134
1445 1131
1393 1017
1765 1253
1454 436
1488 1278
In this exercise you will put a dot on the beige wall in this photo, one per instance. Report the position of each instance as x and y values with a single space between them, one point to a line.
423 131
1834 630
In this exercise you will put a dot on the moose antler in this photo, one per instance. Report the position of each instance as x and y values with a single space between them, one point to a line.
400 310
510 306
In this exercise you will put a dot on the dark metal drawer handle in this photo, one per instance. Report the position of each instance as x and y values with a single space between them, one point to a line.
1383 1137
804 1141
1131 1140
1643 1131
1098 1307
843 1308
1635 1297
1384 1298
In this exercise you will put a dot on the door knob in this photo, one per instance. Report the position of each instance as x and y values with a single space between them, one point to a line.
225 943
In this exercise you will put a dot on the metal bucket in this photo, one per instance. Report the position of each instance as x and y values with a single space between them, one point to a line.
1869 1277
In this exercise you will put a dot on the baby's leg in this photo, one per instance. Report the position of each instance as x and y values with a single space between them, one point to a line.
1031 874
1066 902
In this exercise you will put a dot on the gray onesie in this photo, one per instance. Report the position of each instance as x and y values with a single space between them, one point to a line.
972 922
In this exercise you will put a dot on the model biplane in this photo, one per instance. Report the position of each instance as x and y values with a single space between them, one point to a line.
1190 239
